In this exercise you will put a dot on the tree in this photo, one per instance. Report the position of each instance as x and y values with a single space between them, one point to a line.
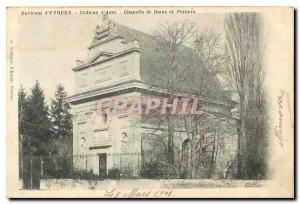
60 113
36 119
244 43
62 122
205 54
172 38
22 104
210 61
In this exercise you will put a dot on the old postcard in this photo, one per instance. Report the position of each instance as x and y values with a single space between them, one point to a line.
150 102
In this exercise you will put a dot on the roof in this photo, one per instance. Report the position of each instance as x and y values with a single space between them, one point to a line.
154 70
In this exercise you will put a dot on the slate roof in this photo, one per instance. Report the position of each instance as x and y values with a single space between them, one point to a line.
155 72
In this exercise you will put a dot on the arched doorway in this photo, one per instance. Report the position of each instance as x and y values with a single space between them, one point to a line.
186 157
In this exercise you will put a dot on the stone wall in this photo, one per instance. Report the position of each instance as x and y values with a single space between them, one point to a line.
97 130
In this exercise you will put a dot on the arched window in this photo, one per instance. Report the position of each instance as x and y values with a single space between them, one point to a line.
186 151
186 148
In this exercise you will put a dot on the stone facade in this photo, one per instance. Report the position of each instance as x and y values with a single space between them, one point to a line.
96 132
115 67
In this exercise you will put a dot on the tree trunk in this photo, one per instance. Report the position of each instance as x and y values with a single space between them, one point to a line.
242 143
239 158
170 141
213 154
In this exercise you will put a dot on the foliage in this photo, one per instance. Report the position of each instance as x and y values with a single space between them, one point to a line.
151 170
36 126
114 173
60 113
42 133
173 37
206 60
244 44
158 170
61 143
81 174
22 103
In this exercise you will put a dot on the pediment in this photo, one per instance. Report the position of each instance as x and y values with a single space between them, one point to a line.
101 56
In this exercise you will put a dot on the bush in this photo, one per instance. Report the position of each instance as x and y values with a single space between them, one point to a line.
114 173
152 170
80 174
158 170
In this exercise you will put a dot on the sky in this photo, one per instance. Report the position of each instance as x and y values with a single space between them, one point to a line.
48 46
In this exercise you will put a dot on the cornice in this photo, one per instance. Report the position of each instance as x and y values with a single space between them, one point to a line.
105 41
120 54
135 85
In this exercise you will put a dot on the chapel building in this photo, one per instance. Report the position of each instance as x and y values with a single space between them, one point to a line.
123 62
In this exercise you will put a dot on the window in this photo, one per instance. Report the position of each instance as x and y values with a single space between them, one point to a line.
186 149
